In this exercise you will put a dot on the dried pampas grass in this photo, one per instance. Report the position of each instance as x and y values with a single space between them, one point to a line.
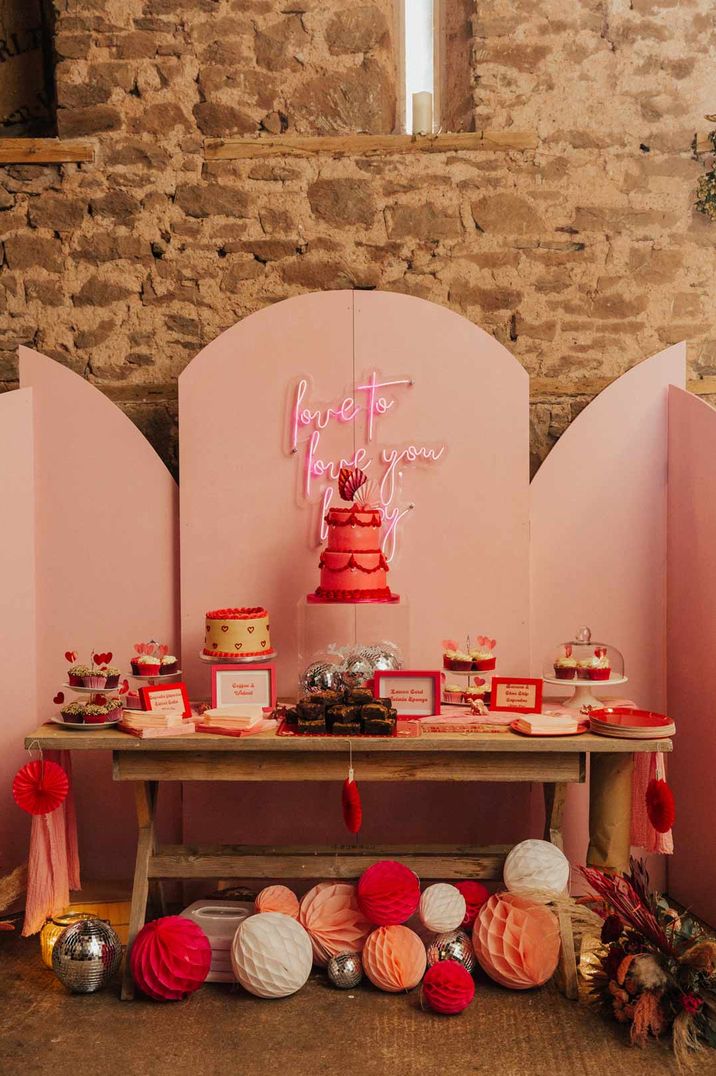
12 887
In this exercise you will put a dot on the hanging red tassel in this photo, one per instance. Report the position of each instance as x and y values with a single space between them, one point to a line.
350 801
660 806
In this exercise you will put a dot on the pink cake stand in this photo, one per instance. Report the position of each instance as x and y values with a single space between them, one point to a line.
316 599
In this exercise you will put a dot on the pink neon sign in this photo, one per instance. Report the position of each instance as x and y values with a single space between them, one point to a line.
368 403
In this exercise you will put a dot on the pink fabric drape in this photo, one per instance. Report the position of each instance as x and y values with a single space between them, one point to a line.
53 866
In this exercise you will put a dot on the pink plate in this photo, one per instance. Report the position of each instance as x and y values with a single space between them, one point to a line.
630 717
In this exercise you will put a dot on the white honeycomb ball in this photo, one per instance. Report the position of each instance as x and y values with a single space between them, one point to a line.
442 908
536 865
271 955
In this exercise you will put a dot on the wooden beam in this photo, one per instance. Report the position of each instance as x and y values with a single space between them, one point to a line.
44 151
549 388
364 145
348 862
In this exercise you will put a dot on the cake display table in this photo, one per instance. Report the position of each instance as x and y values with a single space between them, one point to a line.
554 762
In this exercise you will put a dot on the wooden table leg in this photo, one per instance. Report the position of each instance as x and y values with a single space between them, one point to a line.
555 796
145 794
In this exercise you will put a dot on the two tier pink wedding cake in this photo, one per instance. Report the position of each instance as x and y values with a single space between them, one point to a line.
352 565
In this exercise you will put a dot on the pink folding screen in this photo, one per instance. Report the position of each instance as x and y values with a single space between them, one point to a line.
106 567
17 613
598 539
691 573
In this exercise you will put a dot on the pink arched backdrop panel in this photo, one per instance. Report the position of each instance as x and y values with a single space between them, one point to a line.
17 613
691 604
106 568
246 526
598 539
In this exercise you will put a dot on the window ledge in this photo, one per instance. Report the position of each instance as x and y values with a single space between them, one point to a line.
44 151
364 145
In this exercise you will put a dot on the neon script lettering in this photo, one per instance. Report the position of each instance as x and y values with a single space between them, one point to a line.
369 403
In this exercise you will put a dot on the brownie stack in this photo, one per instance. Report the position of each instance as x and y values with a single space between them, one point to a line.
354 712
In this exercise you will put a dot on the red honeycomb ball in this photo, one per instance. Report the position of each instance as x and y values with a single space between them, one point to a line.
388 893
170 958
475 894
448 987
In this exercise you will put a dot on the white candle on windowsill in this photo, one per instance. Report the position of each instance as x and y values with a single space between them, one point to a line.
422 113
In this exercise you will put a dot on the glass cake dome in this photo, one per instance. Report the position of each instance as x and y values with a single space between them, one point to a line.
584 660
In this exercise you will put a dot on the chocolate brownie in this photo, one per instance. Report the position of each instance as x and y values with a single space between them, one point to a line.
378 726
291 716
315 725
327 697
346 728
358 696
310 710
373 710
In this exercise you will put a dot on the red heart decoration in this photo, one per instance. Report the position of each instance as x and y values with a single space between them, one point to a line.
162 651
59 697
250 628
70 655
238 645
224 627
124 687
263 642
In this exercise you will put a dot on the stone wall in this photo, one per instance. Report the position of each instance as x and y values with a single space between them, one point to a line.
583 257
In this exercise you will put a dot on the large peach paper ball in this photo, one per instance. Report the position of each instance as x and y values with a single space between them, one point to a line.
516 941
394 958
388 893
334 921
536 865
271 955
277 898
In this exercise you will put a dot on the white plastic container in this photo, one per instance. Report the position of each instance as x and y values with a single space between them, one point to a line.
219 919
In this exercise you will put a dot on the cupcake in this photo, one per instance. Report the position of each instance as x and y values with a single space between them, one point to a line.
146 665
600 668
565 666
452 693
73 712
169 664
112 676
584 669
449 652
461 662
477 692
77 673
481 657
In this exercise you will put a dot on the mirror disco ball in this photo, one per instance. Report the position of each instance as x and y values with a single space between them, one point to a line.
86 956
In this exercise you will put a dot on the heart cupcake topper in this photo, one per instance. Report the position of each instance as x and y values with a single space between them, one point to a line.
486 642
600 651
568 650
71 656
449 644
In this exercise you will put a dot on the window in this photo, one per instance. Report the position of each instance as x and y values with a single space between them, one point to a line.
419 83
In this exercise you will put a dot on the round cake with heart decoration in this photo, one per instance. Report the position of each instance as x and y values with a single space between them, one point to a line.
237 633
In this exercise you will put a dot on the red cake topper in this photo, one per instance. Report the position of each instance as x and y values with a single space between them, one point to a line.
70 655
350 479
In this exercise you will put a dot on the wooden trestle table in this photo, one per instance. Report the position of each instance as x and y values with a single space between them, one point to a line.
555 762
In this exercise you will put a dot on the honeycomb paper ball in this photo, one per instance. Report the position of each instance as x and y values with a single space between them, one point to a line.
335 924
170 958
271 955
475 895
277 898
442 908
536 865
388 893
394 958
448 987
516 941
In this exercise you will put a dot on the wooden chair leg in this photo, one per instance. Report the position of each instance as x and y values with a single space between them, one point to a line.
555 796
145 794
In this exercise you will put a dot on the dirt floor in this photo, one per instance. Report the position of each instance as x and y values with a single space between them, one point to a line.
43 1029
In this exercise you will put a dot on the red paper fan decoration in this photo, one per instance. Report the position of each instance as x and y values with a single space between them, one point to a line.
40 787
350 479
170 958
660 807
448 987
475 894
352 807
388 893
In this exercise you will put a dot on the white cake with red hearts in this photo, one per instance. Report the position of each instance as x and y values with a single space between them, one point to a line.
237 633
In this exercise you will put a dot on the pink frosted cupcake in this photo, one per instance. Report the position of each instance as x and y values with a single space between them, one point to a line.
565 666
449 652
481 656
601 668
146 665
452 693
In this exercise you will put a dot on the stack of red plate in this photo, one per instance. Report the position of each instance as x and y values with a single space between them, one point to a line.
628 723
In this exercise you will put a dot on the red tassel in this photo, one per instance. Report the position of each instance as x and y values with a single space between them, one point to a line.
660 806
350 801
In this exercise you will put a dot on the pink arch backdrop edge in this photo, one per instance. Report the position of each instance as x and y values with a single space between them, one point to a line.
691 601
244 538
106 566
598 538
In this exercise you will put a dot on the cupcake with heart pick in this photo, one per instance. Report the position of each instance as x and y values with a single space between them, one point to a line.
481 654
565 666
601 667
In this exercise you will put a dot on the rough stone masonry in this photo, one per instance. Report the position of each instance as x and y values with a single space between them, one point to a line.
583 256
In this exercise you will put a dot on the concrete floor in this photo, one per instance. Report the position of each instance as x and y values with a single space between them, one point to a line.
320 1030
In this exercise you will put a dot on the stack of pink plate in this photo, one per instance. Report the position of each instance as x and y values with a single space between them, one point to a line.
628 723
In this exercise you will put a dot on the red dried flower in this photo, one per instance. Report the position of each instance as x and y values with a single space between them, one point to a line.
691 1003
611 929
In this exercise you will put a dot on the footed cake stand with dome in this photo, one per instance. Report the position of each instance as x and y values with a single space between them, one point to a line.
582 654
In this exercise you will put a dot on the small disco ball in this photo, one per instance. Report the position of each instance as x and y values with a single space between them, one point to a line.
455 945
321 676
345 970
86 956
384 657
357 670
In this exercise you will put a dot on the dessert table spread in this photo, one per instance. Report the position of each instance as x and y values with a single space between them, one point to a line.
555 762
